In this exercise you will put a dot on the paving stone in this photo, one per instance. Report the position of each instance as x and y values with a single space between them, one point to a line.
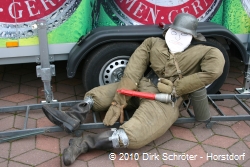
4 163
79 90
28 77
247 138
78 163
229 87
220 141
189 125
217 163
71 81
91 155
164 138
213 111
234 75
35 114
61 76
247 122
55 162
185 114
232 81
17 164
197 156
234 69
28 90
58 135
101 161
227 111
227 103
4 115
4 84
241 79
151 158
201 132
182 133
19 122
129 163
140 151
164 166
224 131
80 96
28 102
6 123
247 143
60 96
47 143
5 150
35 83
239 110
2 160
227 92
34 157
20 71
65 89
241 129
211 150
22 146
178 145
171 158
11 78
72 98
9 91
246 164
16 98
239 149
89 118
226 123
44 122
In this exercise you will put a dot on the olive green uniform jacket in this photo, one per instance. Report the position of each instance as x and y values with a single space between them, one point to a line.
200 65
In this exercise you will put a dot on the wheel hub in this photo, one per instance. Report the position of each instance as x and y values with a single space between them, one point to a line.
113 70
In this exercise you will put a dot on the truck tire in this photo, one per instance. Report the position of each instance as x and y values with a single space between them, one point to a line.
216 85
106 64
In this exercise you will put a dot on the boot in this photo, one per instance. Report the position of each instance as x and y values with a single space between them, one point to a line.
103 141
69 120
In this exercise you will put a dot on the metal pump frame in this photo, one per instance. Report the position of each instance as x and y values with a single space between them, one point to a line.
7 136
246 88
46 71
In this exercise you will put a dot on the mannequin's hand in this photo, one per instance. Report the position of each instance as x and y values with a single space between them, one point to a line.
114 112
165 86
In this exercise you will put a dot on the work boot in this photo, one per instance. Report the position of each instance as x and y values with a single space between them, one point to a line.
104 141
69 120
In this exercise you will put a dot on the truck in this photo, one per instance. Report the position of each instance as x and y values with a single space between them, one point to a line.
99 36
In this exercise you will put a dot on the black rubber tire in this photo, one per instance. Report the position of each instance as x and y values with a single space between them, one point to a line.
93 65
98 58
216 85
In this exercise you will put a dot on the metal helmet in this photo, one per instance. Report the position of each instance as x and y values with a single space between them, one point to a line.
186 23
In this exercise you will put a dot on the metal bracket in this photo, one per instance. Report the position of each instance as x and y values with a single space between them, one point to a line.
246 88
45 70
45 73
